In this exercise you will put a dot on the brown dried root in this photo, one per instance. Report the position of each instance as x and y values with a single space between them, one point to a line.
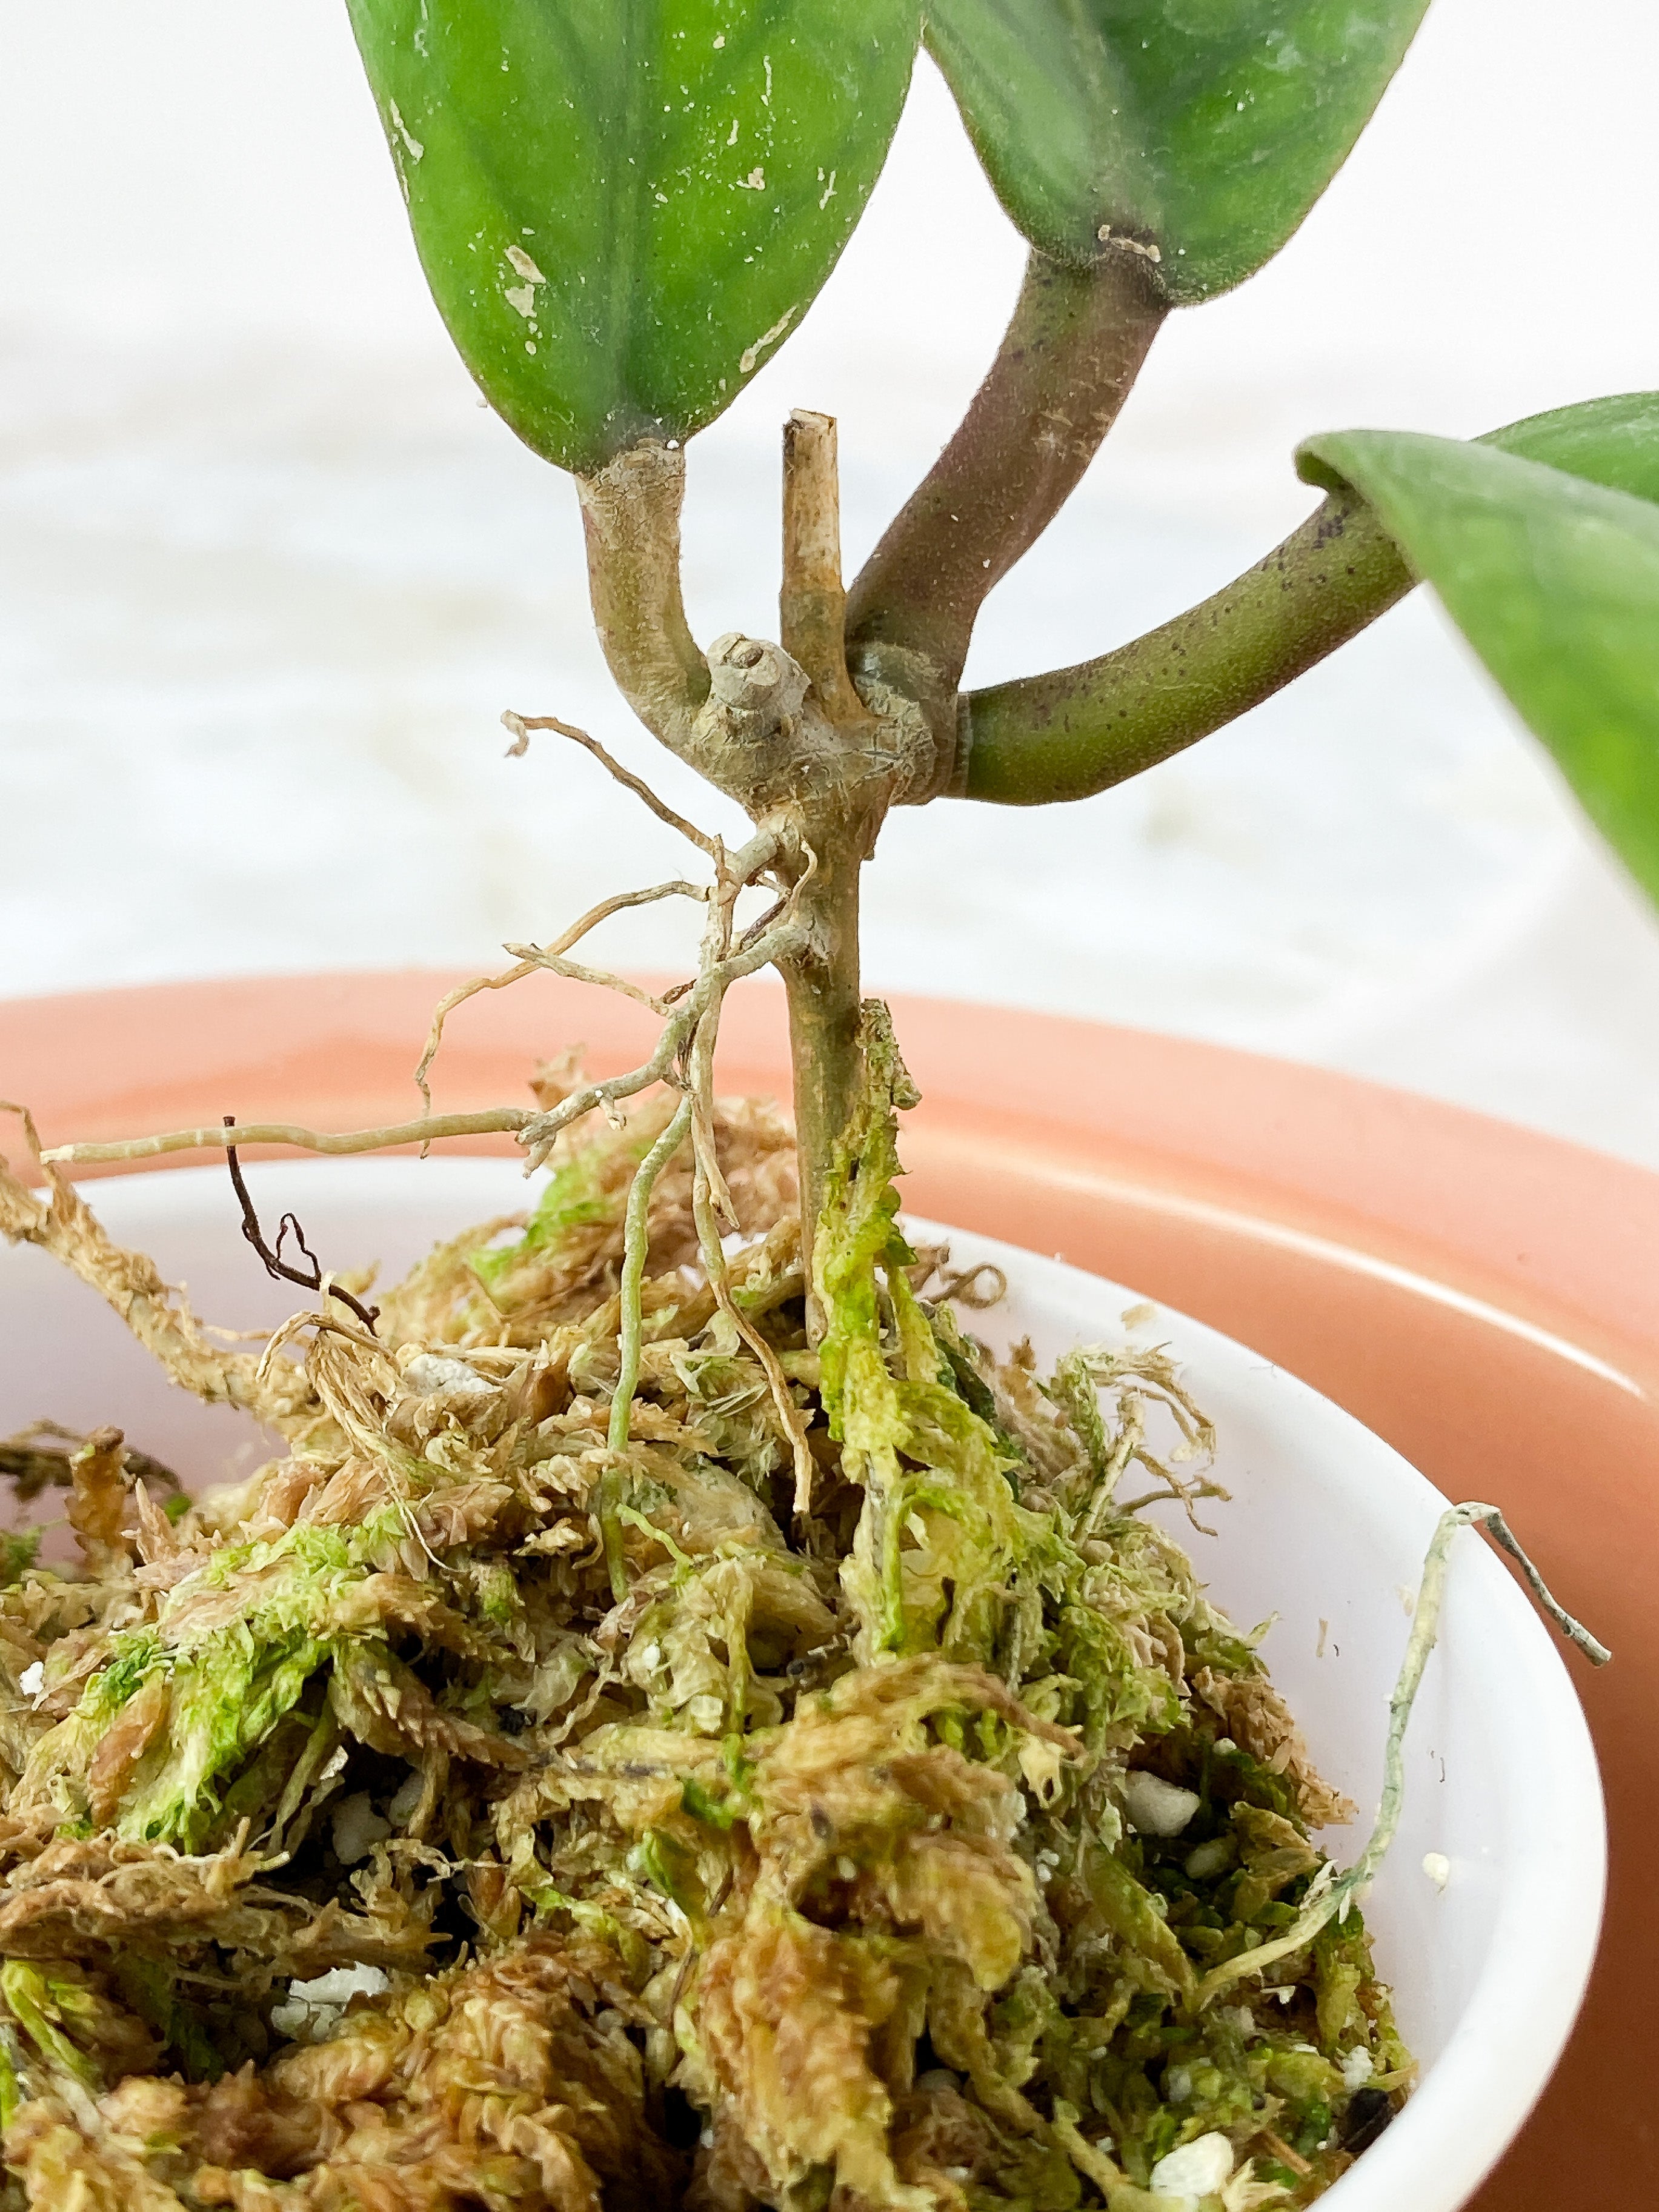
272 1257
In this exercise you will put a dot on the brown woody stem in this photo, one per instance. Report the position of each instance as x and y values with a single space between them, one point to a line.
1072 350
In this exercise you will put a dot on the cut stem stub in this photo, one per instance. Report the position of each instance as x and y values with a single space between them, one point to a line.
812 603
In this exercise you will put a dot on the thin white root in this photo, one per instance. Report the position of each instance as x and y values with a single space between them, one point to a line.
683 1057
522 725
492 1120
1330 1899
636 1243
577 971
684 1008
534 958
719 1281
709 1196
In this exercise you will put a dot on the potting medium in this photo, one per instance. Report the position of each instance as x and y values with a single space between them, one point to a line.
1485 1914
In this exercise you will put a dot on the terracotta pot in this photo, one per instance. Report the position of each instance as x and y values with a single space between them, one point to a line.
1486 1299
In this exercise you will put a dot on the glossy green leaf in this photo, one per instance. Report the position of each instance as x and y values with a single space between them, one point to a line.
1552 577
1613 442
623 206
1201 130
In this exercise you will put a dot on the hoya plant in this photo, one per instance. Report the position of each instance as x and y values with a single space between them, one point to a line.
739 1726
625 210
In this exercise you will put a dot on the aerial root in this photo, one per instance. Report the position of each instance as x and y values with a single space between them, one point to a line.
775 935
710 1199
531 959
720 967
492 1120
1329 1899
522 725
683 1058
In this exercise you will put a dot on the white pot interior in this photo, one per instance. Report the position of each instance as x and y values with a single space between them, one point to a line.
1327 1530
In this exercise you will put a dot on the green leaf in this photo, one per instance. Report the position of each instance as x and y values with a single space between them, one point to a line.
623 206
1614 441
1201 130
1552 576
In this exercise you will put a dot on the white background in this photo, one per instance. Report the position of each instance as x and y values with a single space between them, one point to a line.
268 574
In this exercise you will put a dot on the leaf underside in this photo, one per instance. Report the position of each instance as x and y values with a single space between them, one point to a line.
1200 130
1542 542
622 207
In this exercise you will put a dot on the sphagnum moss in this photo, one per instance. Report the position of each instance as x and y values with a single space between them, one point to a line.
937 1845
